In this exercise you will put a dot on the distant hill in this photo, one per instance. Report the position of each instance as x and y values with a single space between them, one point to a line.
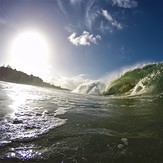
12 75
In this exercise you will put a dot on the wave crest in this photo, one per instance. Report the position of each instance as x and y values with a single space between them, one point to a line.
144 80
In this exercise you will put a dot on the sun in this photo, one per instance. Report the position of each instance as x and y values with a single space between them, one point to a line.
29 52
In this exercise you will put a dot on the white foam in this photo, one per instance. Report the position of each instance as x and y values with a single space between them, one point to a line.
28 125
120 146
91 88
125 141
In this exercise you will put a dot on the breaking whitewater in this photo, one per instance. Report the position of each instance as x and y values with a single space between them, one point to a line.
142 79
119 120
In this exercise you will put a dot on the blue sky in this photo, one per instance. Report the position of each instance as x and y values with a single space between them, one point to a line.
88 38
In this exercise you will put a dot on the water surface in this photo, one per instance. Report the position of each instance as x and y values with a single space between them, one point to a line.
48 125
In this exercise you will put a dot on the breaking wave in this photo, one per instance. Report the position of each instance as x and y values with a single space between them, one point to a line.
144 80
91 88
147 79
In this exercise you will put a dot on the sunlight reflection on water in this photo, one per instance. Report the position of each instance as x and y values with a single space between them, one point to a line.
26 121
20 95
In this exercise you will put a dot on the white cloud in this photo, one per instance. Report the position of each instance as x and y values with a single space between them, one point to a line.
113 22
125 3
84 39
107 16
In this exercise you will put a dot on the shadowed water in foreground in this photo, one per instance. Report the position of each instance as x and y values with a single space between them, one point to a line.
48 125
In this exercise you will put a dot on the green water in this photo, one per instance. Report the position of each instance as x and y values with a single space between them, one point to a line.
143 80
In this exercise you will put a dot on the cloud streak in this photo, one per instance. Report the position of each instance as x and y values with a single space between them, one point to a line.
91 13
84 39
104 27
75 2
113 22
125 3
61 6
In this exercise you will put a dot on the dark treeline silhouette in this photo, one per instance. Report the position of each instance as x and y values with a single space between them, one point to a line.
12 75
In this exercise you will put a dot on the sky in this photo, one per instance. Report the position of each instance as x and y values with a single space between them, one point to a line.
87 39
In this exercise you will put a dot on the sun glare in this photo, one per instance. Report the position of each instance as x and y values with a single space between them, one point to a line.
29 52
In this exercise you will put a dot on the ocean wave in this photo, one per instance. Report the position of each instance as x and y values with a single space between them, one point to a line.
91 88
142 80
137 80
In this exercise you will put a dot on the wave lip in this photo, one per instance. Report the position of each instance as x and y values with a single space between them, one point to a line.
144 80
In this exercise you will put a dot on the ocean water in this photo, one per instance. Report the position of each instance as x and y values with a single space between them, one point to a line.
48 125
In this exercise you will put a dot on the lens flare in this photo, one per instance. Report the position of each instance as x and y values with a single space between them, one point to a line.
29 52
